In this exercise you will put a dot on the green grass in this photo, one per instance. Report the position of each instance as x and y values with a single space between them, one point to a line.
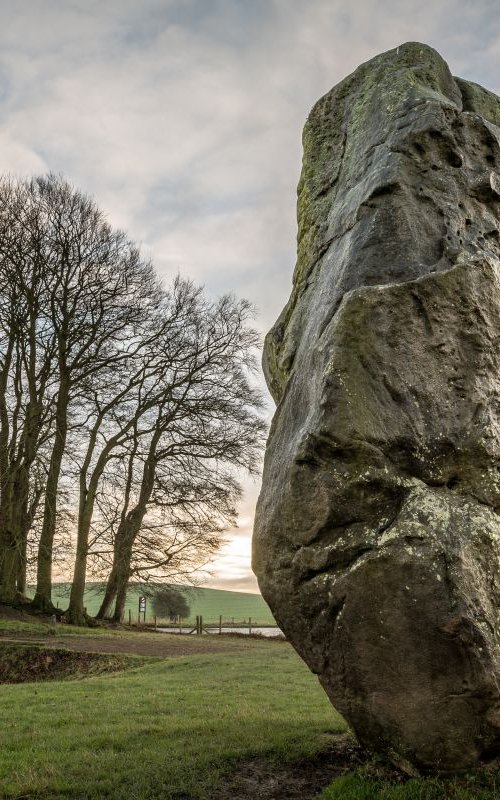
172 727
176 728
25 628
17 627
481 786
210 603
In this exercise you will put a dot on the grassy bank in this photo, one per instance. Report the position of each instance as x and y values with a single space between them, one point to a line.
22 663
43 628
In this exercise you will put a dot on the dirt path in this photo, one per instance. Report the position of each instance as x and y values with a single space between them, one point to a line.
163 645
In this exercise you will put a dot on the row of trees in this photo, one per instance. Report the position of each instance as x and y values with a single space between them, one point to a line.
126 408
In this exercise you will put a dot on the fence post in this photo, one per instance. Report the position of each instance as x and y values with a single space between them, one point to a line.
250 625
197 624
155 623
220 624
180 624
129 617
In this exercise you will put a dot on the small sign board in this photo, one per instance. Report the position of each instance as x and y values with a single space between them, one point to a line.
142 605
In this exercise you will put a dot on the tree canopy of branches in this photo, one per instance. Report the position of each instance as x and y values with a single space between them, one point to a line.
127 409
168 601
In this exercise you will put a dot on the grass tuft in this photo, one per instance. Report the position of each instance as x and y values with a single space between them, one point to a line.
357 786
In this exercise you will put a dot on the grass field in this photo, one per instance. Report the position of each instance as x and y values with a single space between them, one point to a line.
230 722
168 730
210 603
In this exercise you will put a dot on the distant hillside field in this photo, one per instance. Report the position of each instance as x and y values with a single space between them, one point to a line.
210 603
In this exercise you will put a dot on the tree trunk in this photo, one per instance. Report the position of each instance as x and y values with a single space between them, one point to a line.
123 570
88 494
119 576
8 545
109 595
18 522
22 566
29 512
129 527
20 500
120 572
76 613
43 596
121 595
9 574
112 584
126 536
23 510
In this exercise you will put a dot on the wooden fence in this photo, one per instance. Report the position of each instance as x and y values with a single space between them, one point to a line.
198 626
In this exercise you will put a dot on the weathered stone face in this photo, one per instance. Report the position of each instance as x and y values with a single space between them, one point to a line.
377 536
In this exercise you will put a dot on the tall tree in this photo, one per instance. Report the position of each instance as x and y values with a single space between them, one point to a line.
128 401
99 291
26 386
168 601
206 424
86 291
121 413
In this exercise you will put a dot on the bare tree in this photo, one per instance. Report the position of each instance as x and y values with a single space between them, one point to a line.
99 291
205 425
120 414
86 288
168 601
26 384
126 410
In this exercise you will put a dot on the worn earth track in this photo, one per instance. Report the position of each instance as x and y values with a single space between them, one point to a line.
162 645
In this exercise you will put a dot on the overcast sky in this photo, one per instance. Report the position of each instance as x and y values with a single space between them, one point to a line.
183 119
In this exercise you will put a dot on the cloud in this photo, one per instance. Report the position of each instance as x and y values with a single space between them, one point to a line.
184 118
230 568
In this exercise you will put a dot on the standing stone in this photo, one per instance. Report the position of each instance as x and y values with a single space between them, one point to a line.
377 536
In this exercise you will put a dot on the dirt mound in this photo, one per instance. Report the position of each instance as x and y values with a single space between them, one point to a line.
25 663
20 614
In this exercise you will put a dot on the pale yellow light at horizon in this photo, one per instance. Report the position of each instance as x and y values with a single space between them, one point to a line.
231 568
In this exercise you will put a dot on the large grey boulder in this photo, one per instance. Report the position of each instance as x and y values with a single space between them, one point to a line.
377 536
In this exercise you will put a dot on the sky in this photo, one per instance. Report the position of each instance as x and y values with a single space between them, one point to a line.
183 119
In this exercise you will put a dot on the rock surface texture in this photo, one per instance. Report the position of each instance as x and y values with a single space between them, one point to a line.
377 538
